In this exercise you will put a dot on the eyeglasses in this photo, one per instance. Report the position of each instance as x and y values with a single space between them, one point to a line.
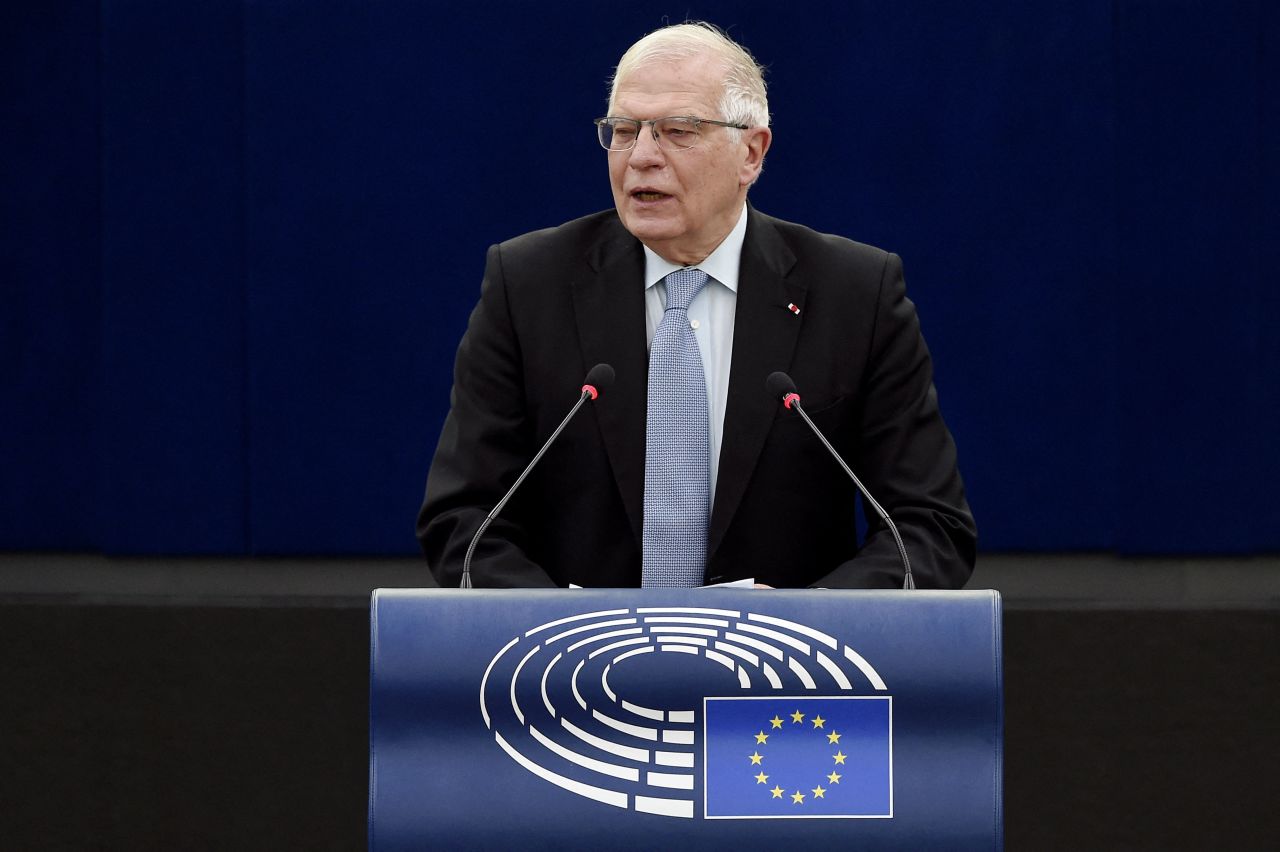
673 133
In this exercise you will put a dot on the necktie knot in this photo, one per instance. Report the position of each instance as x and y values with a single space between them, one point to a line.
683 285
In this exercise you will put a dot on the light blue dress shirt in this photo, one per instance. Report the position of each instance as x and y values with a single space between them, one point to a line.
710 315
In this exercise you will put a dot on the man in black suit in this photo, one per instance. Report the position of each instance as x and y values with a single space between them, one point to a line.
686 135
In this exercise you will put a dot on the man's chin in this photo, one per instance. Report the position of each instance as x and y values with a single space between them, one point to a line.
649 228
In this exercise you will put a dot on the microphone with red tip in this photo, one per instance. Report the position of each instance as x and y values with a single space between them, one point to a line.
780 386
598 379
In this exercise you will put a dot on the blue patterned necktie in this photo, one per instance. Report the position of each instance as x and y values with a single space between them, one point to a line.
677 489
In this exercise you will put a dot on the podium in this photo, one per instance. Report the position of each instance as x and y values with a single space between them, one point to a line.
685 718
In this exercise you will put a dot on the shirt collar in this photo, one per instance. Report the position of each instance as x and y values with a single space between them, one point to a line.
721 265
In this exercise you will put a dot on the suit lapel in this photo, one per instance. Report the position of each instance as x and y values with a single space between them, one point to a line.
609 308
764 338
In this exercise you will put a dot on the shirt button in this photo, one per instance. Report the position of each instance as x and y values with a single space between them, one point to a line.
693 323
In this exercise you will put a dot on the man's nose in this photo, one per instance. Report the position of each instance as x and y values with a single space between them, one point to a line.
647 151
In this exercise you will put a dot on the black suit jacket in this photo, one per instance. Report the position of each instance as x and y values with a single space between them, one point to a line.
556 302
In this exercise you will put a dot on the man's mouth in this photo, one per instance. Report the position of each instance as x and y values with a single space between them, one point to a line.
648 195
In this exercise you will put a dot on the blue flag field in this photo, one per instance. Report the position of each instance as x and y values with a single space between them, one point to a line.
781 758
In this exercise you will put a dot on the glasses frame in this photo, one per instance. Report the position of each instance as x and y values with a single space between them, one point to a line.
653 125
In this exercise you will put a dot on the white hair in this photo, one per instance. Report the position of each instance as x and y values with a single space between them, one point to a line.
742 99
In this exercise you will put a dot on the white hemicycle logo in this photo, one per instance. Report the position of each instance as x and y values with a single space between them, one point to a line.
557 701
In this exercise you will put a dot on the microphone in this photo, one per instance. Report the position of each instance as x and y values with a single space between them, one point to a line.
598 378
780 386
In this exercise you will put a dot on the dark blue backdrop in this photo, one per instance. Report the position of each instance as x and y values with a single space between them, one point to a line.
240 241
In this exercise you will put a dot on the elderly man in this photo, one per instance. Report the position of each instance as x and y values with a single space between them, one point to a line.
686 471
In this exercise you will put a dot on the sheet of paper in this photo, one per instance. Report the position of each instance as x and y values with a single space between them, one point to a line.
747 583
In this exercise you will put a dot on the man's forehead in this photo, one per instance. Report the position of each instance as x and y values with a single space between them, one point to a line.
664 100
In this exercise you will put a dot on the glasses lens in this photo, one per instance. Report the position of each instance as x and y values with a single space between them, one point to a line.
677 133
618 134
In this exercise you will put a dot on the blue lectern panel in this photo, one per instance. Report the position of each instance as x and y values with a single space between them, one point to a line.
700 718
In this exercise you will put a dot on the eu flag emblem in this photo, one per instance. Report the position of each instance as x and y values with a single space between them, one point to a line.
779 758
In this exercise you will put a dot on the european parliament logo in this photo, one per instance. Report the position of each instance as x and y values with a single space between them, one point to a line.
695 712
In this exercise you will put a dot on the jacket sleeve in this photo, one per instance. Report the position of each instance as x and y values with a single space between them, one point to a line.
484 444
904 454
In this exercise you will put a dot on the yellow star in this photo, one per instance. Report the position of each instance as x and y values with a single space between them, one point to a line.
818 792
761 778
833 738
839 756
818 721
777 792
834 777
756 758
776 722
762 738
797 797
797 717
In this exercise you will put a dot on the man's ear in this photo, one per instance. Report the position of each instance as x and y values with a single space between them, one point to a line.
757 141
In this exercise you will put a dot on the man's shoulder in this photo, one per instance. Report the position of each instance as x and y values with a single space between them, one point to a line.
815 247
574 234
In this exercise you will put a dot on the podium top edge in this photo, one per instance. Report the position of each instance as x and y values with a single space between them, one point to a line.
704 596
